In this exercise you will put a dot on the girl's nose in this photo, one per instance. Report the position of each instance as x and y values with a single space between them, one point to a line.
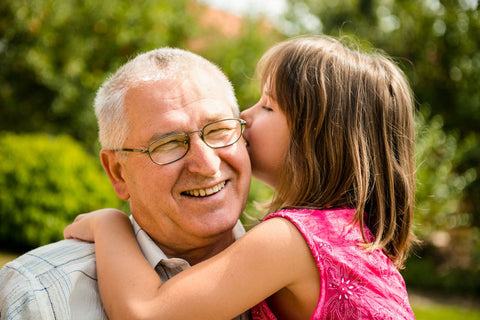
246 115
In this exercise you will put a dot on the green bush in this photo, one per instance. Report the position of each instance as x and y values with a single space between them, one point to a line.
440 187
260 194
45 182
449 266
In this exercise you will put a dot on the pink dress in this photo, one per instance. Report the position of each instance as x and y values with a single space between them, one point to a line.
354 284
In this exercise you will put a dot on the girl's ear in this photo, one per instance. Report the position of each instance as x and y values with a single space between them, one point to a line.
115 171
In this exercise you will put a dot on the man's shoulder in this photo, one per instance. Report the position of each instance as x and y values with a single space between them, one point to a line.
59 255
58 259
46 278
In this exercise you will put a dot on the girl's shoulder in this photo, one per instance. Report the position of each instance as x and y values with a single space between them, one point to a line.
332 235
327 223
338 215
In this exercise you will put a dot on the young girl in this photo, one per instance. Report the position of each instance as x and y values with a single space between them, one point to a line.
333 134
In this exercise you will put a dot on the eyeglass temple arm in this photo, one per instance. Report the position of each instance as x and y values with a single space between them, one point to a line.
132 150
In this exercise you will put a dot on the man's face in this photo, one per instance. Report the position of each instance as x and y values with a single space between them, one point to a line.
157 193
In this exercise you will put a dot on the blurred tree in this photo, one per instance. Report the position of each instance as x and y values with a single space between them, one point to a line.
55 54
439 187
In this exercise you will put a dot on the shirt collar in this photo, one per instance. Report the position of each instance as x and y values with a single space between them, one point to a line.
154 254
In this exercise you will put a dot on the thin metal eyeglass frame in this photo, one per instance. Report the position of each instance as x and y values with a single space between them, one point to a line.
187 141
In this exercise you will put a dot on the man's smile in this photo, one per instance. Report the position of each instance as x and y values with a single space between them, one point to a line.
206 191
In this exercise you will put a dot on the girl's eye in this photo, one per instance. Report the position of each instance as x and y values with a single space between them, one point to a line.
267 108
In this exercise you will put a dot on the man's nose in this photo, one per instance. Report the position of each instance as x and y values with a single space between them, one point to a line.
201 158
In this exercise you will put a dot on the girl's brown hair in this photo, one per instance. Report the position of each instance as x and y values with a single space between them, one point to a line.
350 116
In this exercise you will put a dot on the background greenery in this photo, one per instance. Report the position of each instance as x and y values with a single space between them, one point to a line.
55 54
49 180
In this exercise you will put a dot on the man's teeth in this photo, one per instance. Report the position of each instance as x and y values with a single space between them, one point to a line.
207 191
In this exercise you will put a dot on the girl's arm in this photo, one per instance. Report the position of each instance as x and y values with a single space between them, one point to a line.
124 276
270 257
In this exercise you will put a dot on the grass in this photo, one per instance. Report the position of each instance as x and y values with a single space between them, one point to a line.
439 307
425 307
439 312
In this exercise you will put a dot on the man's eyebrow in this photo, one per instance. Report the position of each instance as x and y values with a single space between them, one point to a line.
205 121
160 134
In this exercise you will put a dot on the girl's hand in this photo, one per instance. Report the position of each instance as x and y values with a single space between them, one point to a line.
85 226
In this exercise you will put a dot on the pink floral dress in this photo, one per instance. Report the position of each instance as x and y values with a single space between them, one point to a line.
354 284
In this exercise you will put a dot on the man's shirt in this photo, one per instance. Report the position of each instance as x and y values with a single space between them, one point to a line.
59 280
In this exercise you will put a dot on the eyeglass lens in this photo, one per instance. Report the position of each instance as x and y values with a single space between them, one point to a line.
217 134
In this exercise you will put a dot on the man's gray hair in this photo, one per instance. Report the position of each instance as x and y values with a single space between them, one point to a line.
158 64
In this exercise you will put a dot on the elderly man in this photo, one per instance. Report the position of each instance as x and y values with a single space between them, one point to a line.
169 129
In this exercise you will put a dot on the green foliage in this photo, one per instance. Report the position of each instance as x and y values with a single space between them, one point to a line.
46 181
259 195
440 188
439 209
55 54
423 273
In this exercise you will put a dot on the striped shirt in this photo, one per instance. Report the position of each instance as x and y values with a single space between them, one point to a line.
59 280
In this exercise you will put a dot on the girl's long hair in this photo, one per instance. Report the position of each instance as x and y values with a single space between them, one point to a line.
350 116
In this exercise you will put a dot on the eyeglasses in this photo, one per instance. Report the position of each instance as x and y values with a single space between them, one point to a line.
173 147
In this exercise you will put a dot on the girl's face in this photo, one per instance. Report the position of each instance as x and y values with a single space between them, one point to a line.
267 137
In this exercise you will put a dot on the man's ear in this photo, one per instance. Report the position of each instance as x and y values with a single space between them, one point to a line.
115 171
